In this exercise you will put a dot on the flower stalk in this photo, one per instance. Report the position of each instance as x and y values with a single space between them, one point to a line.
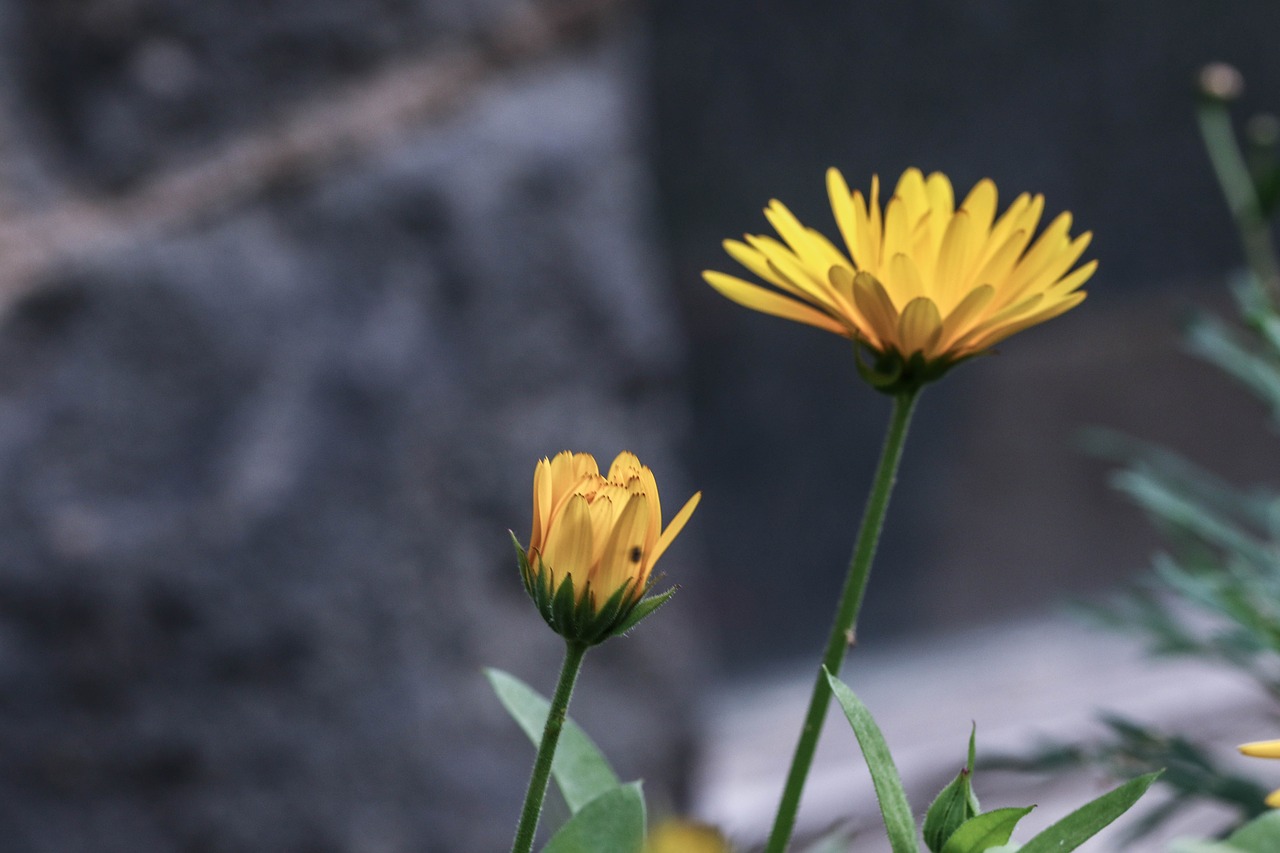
541 776
846 618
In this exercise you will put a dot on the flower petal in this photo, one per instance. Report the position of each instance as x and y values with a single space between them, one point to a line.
766 301
673 529
919 327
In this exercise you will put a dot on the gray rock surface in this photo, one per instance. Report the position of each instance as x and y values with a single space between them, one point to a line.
256 471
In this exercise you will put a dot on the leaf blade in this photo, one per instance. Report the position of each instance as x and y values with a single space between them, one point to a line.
581 771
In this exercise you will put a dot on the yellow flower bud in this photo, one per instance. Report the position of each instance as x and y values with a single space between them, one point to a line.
682 836
594 543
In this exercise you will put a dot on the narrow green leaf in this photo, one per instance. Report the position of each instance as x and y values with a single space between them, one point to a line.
984 831
613 821
579 768
1261 835
898 822
1086 821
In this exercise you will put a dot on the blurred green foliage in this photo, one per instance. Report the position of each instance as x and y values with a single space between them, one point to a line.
1214 592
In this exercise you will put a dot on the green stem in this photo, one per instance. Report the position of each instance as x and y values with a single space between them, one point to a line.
842 630
1242 196
573 655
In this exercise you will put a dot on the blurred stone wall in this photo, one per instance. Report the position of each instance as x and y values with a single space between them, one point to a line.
295 294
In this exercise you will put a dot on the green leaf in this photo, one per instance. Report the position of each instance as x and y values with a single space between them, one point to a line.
954 805
579 768
898 822
1258 836
1086 821
984 831
613 821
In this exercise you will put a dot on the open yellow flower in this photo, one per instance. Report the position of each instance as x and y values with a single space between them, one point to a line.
594 542
924 284
1265 749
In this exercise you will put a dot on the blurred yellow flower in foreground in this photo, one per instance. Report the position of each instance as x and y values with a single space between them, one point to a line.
1265 749
680 836
923 284
594 542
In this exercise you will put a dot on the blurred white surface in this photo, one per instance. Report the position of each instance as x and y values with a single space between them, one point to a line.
1022 684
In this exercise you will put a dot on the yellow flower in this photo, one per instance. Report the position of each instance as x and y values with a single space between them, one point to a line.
923 284
594 542
682 836
1265 749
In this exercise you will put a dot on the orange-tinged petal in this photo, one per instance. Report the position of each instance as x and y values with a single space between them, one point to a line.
625 465
541 503
624 557
570 543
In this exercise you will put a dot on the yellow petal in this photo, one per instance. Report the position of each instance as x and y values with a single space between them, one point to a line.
904 281
919 327
569 544
1261 748
798 279
624 558
843 207
624 466
1273 800
897 230
541 503
875 305
754 260
1077 278
673 529
758 299
912 192
941 199
1047 312
949 277
964 315
980 204
842 281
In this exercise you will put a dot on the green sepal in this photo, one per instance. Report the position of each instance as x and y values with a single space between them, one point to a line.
563 608
643 608
890 373
613 821
985 831
1091 818
954 805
